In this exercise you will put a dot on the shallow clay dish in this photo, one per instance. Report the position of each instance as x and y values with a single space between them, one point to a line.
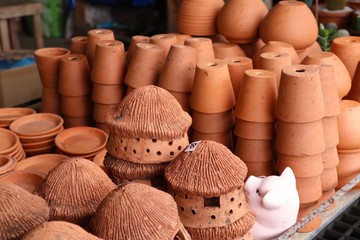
8 141
37 124
7 163
7 115
41 150
42 163
81 140
40 144
40 138
26 179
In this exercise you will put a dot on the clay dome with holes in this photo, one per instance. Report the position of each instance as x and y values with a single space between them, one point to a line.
20 211
138 211
148 129
56 230
206 181
74 189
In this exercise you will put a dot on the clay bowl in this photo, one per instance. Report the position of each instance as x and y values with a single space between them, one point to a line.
26 179
8 141
81 140
7 163
37 124
89 156
42 163
8 115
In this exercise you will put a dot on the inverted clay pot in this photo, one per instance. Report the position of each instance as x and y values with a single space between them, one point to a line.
348 127
254 130
93 36
227 49
329 179
302 166
164 40
309 188
331 132
50 101
100 110
254 150
132 45
107 94
183 99
260 169
203 46
78 45
225 138
348 168
213 122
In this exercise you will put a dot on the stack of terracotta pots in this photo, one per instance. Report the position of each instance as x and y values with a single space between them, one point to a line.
75 90
107 75
212 100
254 127
300 136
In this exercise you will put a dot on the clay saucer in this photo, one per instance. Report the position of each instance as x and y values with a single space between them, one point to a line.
41 150
18 154
40 144
26 179
42 163
7 163
8 115
8 141
33 139
81 140
37 124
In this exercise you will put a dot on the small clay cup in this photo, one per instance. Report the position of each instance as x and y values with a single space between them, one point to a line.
331 132
260 169
330 157
70 122
225 138
132 45
329 179
100 110
50 101
309 188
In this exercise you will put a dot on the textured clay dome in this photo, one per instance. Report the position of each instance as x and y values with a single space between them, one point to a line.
58 230
20 211
136 211
74 189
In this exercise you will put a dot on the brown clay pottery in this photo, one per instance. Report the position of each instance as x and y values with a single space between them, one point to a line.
41 163
50 101
100 111
9 114
203 46
349 167
225 137
78 45
254 130
132 45
349 132
254 150
27 180
165 41
309 188
107 94
331 133
213 122
329 179
303 166
330 157
94 36
354 93
7 164
80 106
70 122
227 49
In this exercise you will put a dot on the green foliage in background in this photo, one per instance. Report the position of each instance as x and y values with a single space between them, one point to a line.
328 33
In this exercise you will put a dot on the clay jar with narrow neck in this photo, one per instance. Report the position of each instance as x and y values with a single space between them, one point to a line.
93 36
247 15
300 28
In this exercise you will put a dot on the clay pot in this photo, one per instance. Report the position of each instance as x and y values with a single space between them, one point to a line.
349 132
347 49
342 76
76 106
237 66
275 62
277 46
203 46
78 45
132 45
330 157
74 76
348 168
300 28
179 69
7 164
183 99
107 94
260 169
247 15
93 36
50 101
145 65
302 166
100 110
254 150
331 133
354 93
257 96
227 49
198 18
70 122
309 188
342 18
254 130
225 138
27 180
212 90
213 122
165 41
109 64
251 48
102 126
300 90
305 209
180 37
329 179
300 139
314 48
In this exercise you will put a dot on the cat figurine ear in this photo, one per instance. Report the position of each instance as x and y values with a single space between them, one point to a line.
275 201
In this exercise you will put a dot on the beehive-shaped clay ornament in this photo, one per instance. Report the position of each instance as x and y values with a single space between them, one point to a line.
20 211
138 211
206 181
148 129
58 230
74 189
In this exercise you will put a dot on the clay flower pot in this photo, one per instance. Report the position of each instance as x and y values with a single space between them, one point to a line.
107 94
260 169
50 101
331 133
213 122
330 157
257 97
309 188
251 48
354 93
342 76
254 150
212 89
225 138
93 36
109 64
100 110
78 45
165 41
329 179
203 46
348 127
132 45
247 15
237 66
349 167
183 99
254 130
76 106
227 49
300 28
300 90
302 166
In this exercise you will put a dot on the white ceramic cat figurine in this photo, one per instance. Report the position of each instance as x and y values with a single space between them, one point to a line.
275 201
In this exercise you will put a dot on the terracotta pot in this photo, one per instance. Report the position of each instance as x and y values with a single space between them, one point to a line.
50 101
237 66
212 89
145 65
165 41
331 133
100 110
132 45
330 157
314 48
309 188
300 139
47 62
179 69
251 48
93 36
257 96
260 169
198 18
102 126
227 49
78 45
342 76
275 62
305 209
109 64
329 179
70 122
247 15
107 94
254 150
354 93
254 130
184 100
224 138
180 37
349 132
7 164
213 122
28 180
347 49
76 106
277 46
348 168
300 28
203 46
302 166
342 18
74 76
300 90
